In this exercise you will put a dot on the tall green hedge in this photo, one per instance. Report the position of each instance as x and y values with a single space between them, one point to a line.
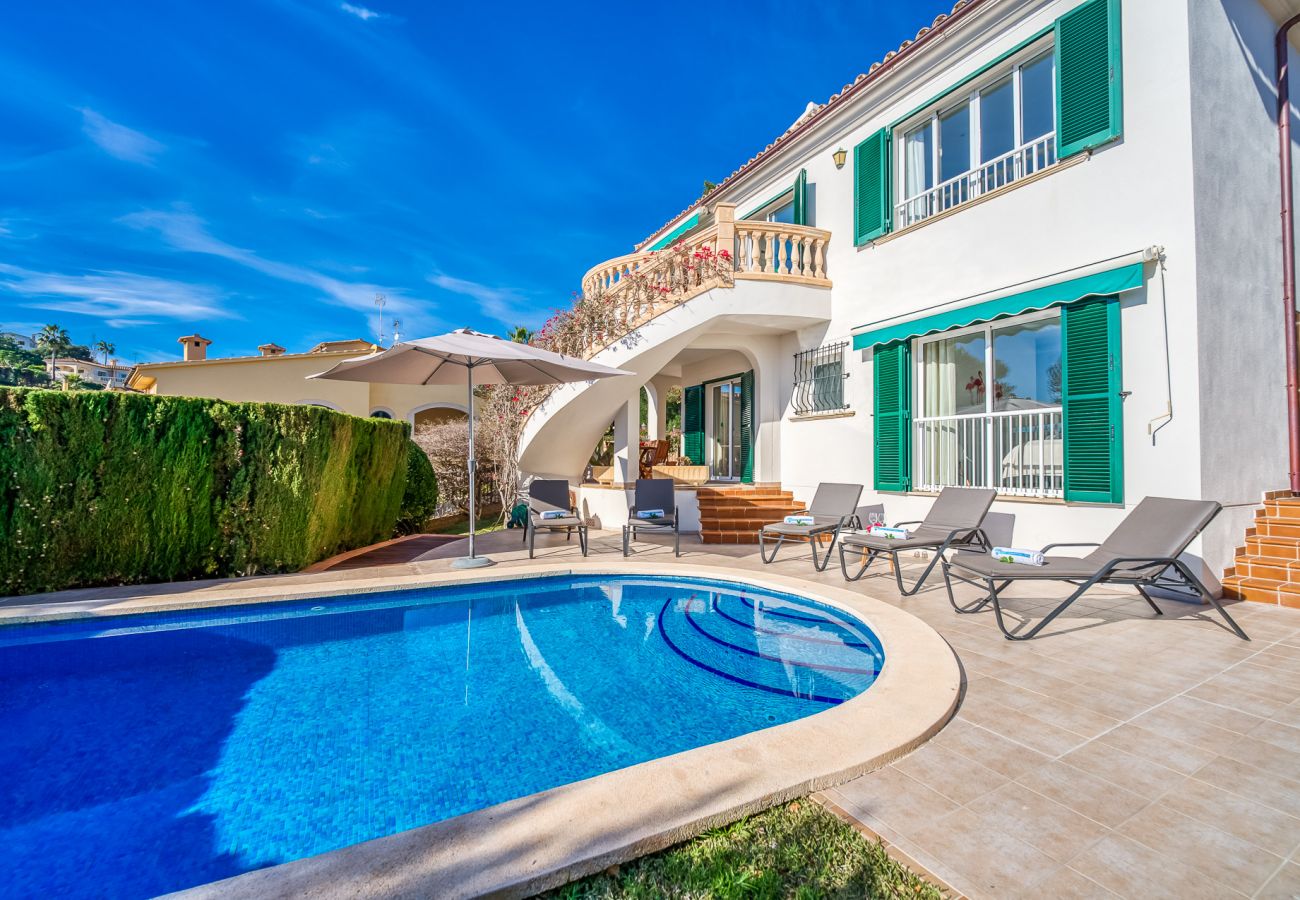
420 500
111 488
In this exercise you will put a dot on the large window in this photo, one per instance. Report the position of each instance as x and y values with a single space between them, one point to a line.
979 140
990 406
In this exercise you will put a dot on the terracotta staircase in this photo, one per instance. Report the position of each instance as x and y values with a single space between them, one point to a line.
1267 568
733 515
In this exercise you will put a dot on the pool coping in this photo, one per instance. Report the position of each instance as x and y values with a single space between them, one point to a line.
544 840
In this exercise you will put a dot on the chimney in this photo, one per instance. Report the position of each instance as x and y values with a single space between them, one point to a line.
195 347
270 349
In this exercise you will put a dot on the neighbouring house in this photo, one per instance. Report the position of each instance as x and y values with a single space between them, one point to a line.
111 374
23 341
1035 248
277 376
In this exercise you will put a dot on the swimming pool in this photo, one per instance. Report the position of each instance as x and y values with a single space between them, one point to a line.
154 752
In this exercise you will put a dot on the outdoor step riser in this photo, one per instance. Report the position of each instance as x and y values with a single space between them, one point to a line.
1278 548
1277 528
732 503
762 516
1282 509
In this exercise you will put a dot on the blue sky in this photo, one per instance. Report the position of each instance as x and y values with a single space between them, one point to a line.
258 171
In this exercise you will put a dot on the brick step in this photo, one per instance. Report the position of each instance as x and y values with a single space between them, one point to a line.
744 502
1268 567
772 513
1277 547
1276 526
1257 590
729 537
1288 508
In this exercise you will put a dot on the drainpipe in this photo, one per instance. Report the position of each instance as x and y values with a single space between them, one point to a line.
1281 50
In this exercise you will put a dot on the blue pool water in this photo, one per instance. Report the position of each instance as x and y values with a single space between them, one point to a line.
150 753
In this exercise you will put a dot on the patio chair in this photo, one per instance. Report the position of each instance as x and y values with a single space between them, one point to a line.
955 520
653 493
834 507
653 453
549 495
1143 552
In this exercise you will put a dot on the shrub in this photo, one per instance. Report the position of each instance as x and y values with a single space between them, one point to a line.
420 500
111 488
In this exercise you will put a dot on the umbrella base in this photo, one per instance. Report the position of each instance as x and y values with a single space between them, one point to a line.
472 562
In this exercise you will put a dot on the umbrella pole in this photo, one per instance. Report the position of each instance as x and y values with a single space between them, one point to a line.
471 561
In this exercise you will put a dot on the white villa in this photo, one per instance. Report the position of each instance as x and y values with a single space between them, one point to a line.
1036 248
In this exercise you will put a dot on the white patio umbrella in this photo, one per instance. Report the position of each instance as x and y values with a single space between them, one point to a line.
472 359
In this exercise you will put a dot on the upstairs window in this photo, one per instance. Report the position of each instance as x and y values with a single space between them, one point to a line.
979 141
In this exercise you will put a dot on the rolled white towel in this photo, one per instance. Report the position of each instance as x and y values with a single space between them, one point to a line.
800 520
649 513
887 532
553 514
1017 555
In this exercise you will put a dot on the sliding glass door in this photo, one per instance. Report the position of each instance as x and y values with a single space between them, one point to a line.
724 430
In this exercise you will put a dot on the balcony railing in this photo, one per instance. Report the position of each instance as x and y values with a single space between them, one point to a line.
1033 157
1018 452
624 293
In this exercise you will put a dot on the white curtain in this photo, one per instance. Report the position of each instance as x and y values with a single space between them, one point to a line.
918 158
939 398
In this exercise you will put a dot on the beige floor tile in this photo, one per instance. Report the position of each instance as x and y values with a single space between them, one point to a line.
1169 724
986 862
1076 719
1225 694
1054 829
1211 851
957 777
1132 869
888 795
1021 727
991 749
1066 884
1219 715
1118 706
1133 773
1176 755
1278 734
1084 793
1284 885
1288 715
1253 783
1263 826
1266 756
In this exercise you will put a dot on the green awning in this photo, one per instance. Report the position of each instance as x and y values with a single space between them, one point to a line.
691 221
1100 284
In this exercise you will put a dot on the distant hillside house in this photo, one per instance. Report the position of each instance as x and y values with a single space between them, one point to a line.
24 341
277 376
109 374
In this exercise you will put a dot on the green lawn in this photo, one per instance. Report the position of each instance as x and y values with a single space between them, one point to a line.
798 851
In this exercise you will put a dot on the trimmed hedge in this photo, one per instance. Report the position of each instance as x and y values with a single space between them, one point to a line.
420 500
112 488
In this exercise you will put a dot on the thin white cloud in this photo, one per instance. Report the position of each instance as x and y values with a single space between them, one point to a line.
120 298
186 231
118 140
506 305
361 12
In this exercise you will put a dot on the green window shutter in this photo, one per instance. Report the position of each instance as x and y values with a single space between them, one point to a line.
801 198
893 416
1091 381
871 212
1089 83
693 424
747 427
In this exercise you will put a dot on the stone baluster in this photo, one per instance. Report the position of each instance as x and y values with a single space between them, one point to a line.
820 271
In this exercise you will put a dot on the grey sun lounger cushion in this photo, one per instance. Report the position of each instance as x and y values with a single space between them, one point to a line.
550 495
955 520
1144 552
833 507
653 493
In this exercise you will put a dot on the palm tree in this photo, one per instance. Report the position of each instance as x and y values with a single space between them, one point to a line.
106 349
53 341
520 334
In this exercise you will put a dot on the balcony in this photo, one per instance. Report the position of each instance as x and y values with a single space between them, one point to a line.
622 294
1034 157
1017 452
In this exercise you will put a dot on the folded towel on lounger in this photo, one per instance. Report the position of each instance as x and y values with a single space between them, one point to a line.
800 520
553 514
1016 555
649 513
884 531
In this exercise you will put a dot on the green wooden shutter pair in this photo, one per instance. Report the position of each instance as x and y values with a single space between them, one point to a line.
1091 381
893 416
1089 86
871 209
747 427
693 424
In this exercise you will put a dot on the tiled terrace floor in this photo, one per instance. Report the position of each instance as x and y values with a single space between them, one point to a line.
1117 754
